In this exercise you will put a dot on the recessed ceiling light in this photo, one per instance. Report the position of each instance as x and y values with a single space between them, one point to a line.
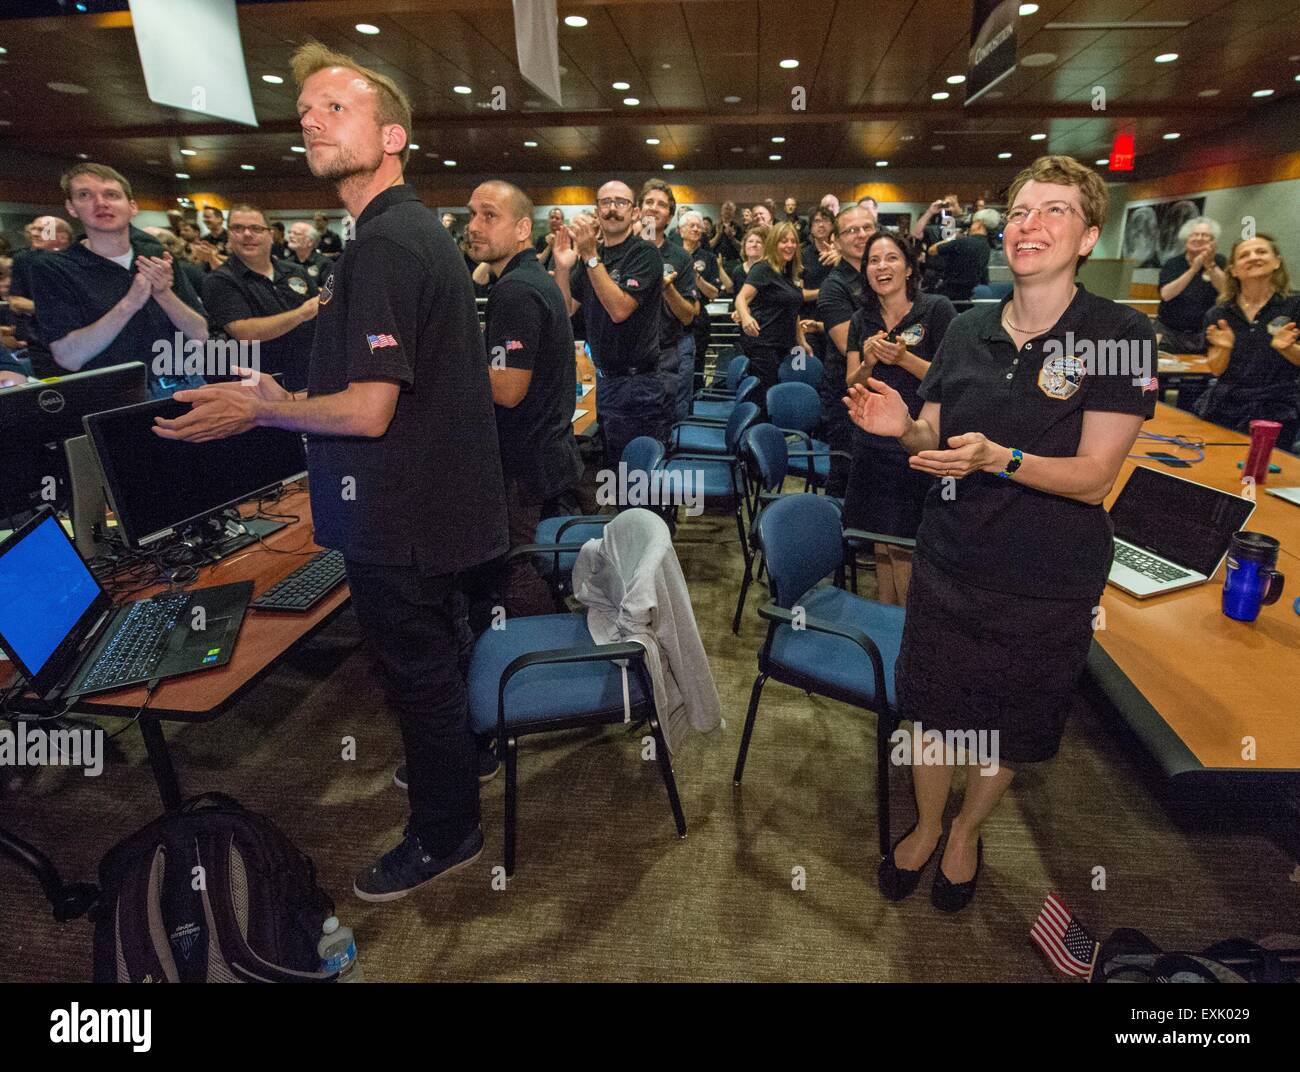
908 137
737 148
189 152
621 85
450 163
941 95
1172 135
3 51
652 141
956 79
83 156
248 167
1297 78
576 21
778 140
788 65
67 87
1038 59
1262 93
1208 93
631 102
669 167
1037 137
1103 162
274 79
462 90
297 148
731 100
1167 57
565 167
413 147
530 145
774 156
1027 9
937 148
181 175
882 163
1004 156
366 28
666 66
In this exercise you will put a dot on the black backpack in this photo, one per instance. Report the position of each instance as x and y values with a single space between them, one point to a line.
1129 956
253 913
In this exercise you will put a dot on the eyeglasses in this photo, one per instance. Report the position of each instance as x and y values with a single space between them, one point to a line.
251 228
849 232
613 202
1053 210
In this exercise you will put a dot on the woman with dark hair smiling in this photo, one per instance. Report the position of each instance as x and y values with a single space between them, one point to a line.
892 338
1014 544
769 302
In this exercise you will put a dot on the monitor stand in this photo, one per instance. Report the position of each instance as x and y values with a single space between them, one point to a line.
213 539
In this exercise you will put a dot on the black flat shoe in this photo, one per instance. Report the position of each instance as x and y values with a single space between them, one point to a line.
897 882
949 896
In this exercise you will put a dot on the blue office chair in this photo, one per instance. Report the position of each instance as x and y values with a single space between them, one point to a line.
718 411
725 380
844 647
992 290
801 369
558 540
796 409
544 674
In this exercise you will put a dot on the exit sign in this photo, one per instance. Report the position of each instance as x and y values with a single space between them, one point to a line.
1122 152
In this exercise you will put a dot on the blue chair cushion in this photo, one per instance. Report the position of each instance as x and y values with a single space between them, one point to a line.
839 665
702 439
715 478
539 693
547 532
713 410
821 463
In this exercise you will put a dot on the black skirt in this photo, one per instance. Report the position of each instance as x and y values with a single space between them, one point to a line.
975 659
885 494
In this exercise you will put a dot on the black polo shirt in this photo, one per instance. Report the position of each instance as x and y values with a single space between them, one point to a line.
1259 383
814 273
1186 312
20 286
317 266
636 266
542 246
526 327
330 244
236 292
841 294
991 531
729 240
671 330
398 305
964 264
775 306
74 288
221 244
923 329
705 264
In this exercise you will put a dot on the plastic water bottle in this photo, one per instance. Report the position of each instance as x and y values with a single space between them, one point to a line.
338 951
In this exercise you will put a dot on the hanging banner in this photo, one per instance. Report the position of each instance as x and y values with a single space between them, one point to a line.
993 45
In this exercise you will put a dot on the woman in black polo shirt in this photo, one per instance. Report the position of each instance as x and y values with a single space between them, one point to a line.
893 337
819 255
1026 434
769 302
1188 286
1253 344
751 252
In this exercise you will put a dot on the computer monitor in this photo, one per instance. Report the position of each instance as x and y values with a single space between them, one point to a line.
36 418
158 486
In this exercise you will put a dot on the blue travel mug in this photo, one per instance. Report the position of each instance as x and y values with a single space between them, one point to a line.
1251 581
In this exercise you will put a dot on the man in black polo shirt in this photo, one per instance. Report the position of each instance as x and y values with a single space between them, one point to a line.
405 474
255 298
963 262
531 365
676 342
302 239
116 295
707 287
618 286
726 236
792 216
215 222
45 235
542 247
330 244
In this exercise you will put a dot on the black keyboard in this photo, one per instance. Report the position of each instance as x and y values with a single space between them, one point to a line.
307 585
1144 564
139 643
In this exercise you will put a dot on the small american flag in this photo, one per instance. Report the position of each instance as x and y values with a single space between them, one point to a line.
1063 939
376 341
1150 384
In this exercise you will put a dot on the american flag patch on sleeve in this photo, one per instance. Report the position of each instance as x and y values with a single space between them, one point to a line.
375 342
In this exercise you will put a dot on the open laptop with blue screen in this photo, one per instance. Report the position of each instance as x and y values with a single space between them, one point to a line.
62 632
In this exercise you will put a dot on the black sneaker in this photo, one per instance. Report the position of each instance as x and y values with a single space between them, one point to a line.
488 764
407 867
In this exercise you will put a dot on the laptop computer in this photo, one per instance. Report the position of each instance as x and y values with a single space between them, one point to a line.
60 628
1171 533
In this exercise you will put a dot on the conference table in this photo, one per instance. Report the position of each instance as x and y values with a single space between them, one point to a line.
584 408
1205 694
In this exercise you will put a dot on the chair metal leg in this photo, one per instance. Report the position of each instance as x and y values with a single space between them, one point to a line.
884 728
511 758
666 769
749 726
740 530
740 599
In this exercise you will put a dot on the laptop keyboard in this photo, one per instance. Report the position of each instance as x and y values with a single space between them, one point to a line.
1146 565
139 643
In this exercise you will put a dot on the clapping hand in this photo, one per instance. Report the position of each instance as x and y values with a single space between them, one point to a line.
882 348
878 409
969 453
1220 334
1285 337
158 270
564 256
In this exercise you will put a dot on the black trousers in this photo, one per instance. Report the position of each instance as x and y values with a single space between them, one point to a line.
410 618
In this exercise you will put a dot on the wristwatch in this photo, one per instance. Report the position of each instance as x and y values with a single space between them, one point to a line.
1016 458
591 262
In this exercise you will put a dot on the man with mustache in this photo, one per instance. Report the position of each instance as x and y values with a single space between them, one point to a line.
618 285
401 448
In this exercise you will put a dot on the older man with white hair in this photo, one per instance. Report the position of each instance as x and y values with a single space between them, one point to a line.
302 240
1189 287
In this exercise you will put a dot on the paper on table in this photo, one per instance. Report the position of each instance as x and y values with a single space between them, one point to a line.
587 388
578 413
